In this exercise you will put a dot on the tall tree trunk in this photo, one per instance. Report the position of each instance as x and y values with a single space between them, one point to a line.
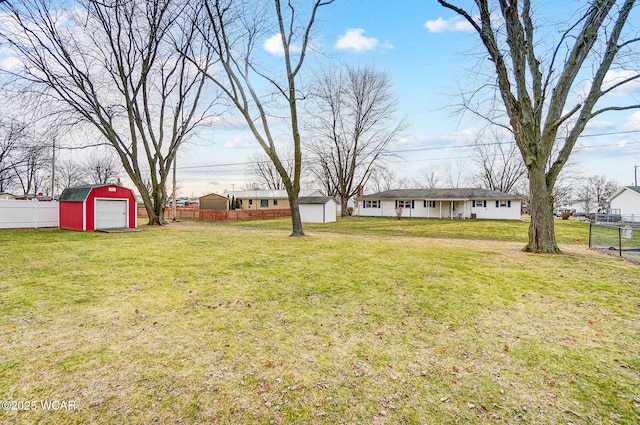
344 208
156 218
541 230
296 220
153 202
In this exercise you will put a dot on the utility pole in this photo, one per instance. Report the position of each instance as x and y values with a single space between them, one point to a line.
173 204
635 173
53 170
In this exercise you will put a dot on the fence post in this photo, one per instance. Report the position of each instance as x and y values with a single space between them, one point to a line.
620 240
590 233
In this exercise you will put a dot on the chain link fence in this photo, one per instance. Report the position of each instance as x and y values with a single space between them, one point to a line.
616 234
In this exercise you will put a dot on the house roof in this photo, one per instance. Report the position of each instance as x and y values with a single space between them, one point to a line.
212 195
315 200
269 194
624 189
440 194
80 193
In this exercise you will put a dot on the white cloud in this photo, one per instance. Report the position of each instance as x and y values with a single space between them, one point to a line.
445 140
355 40
634 122
600 125
11 63
241 141
453 24
615 77
273 45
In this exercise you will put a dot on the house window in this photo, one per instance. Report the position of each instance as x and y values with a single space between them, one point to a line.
371 204
250 201
429 204
405 204
264 203
503 204
479 204
275 202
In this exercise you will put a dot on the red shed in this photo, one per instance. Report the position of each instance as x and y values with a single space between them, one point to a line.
104 206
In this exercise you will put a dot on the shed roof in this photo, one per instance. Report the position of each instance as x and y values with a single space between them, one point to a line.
269 194
212 195
80 193
315 200
440 194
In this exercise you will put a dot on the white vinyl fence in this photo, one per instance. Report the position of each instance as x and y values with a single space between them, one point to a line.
28 214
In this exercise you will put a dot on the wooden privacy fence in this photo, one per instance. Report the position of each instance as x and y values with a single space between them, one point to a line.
195 213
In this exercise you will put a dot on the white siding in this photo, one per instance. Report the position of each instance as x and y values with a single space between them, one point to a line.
318 213
28 214
499 213
444 209
628 202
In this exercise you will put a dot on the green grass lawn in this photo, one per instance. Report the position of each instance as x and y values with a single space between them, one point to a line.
365 321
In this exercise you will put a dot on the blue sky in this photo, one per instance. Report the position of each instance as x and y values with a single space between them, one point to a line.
428 52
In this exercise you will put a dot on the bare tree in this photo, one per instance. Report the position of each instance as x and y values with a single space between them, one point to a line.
252 186
501 166
454 174
101 168
32 171
69 173
233 29
534 86
354 122
382 179
264 171
594 193
431 178
114 65
13 136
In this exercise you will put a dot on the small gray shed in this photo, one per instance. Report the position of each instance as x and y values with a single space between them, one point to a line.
318 209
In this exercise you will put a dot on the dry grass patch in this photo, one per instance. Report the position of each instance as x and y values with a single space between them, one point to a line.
216 324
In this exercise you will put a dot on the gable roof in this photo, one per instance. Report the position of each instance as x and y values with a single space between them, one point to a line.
212 196
624 189
440 194
269 194
315 200
80 193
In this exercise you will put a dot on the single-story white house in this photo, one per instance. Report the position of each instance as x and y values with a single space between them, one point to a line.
318 209
627 201
441 203
266 199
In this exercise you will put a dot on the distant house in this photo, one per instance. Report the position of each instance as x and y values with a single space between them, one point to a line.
6 195
441 203
627 201
267 199
318 209
213 201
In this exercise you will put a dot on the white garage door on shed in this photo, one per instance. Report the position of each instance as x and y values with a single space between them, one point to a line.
317 209
111 213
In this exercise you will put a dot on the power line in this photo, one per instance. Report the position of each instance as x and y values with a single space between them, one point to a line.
432 148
